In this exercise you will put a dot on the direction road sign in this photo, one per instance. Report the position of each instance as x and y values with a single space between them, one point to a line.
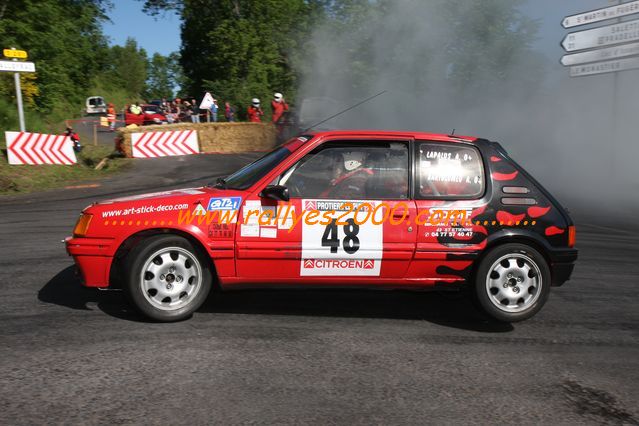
15 53
604 67
602 36
599 15
607 53
15 66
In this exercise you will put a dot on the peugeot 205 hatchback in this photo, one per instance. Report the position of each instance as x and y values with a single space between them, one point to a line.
343 209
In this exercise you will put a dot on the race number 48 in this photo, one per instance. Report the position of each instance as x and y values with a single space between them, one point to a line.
350 242
344 246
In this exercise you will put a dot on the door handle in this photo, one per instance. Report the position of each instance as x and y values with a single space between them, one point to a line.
399 215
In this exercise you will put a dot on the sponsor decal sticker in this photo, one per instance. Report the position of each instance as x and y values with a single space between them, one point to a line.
199 211
224 203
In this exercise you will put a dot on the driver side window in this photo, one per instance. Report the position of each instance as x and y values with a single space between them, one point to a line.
356 170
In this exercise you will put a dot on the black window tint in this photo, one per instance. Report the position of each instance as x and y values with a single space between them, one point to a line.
449 171
351 171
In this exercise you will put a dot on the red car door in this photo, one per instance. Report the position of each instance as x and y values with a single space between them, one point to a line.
343 223
449 186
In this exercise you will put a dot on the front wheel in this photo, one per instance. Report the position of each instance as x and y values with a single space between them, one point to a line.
512 282
167 278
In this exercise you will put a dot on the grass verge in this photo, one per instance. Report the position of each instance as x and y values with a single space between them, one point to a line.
27 178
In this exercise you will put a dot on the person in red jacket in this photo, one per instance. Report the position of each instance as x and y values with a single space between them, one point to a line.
255 113
279 106
111 117
71 134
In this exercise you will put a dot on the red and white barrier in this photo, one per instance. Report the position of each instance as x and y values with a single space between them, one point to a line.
37 148
164 144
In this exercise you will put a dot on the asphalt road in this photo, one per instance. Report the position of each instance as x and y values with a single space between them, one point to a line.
84 127
73 355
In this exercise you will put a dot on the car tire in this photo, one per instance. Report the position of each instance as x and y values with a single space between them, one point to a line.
512 283
167 278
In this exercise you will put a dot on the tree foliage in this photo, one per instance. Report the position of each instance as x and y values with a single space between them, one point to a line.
164 75
73 60
239 49
64 38
127 67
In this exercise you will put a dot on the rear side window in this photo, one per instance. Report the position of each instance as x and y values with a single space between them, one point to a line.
448 171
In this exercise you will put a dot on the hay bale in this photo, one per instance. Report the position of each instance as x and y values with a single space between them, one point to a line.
216 137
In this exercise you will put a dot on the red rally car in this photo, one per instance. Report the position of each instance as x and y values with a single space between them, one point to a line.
151 114
347 208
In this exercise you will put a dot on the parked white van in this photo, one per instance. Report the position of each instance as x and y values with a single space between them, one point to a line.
95 105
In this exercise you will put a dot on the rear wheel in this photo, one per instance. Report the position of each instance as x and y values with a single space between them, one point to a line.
512 282
167 278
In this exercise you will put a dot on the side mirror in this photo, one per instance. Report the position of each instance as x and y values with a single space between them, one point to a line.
276 192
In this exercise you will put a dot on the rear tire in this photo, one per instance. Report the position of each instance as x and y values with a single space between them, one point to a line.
512 283
167 278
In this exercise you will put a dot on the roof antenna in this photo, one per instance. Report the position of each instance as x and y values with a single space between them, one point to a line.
346 110
452 133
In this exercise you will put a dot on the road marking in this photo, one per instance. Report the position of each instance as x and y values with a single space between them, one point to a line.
89 185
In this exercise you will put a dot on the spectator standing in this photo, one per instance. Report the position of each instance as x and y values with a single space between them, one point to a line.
135 109
214 108
172 113
188 110
255 112
111 117
279 106
195 112
229 112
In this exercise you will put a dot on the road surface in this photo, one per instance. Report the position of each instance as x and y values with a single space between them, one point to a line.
74 355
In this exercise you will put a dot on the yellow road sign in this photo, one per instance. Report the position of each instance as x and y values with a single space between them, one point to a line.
14 53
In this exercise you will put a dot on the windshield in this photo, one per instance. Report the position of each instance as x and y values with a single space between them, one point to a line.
151 108
250 174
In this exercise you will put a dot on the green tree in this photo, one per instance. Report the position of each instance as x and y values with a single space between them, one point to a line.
64 39
239 49
128 68
164 76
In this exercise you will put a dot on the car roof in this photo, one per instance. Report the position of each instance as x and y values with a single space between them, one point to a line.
400 134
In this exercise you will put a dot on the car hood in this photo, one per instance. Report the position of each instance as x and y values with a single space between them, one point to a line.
170 200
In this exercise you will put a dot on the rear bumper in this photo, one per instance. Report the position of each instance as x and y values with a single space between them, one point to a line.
93 257
562 263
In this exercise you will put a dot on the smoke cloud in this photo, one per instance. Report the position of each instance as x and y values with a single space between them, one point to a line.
573 134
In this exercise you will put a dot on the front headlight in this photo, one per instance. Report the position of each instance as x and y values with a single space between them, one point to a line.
82 226
157 120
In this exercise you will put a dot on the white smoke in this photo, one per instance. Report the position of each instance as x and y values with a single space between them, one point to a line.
572 134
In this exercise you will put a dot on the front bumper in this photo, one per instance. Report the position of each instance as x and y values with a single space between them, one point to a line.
562 263
93 257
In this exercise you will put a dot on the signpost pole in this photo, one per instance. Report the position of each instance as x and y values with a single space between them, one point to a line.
615 101
16 77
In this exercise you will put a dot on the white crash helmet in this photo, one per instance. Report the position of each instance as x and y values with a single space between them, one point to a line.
353 160
255 102
278 97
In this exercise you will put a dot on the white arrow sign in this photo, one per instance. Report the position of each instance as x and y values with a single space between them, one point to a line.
601 14
607 53
604 67
603 36
15 66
